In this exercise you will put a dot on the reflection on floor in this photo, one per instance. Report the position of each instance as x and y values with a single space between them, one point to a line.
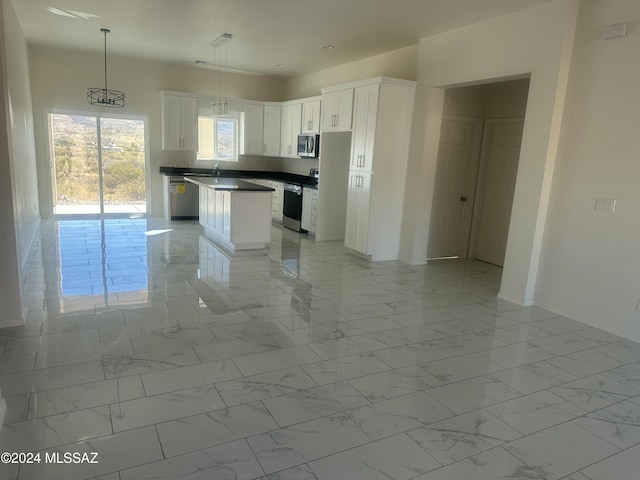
171 358
89 209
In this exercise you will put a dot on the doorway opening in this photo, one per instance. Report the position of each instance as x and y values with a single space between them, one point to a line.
478 156
98 164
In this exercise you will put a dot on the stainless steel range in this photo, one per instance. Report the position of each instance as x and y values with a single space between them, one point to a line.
292 207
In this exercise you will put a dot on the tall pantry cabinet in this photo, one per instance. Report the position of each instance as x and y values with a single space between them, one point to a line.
382 114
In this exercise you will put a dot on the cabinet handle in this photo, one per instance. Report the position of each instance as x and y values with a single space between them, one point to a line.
310 124
264 148
363 160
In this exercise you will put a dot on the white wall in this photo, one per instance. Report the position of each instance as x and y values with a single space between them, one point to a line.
19 214
400 63
536 41
491 100
590 266
60 78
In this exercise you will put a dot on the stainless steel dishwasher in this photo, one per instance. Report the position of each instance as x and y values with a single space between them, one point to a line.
183 199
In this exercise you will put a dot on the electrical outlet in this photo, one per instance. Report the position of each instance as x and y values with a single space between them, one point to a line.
607 205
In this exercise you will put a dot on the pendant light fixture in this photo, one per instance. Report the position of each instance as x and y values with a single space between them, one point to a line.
220 100
104 97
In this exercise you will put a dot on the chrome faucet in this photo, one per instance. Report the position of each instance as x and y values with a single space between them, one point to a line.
216 169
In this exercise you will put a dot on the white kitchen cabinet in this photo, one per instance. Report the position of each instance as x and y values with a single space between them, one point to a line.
239 220
203 207
311 116
222 220
277 200
252 140
379 143
290 129
271 140
337 106
358 212
211 208
179 122
309 209
365 117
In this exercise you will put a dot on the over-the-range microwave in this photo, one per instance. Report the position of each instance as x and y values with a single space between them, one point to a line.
308 146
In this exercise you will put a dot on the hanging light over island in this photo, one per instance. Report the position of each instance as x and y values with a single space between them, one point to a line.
220 103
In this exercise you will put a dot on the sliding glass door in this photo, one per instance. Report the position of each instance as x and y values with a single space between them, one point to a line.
98 164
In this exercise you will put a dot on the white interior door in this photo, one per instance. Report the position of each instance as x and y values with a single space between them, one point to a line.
499 167
455 182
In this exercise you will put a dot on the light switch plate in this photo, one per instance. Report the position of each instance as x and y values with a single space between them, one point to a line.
607 205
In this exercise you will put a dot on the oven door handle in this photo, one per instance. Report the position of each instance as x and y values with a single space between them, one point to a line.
293 188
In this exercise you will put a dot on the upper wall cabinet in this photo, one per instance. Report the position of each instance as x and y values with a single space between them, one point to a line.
252 131
271 141
337 106
365 118
179 122
311 116
291 116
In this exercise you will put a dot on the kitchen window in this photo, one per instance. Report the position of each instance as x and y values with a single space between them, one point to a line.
218 137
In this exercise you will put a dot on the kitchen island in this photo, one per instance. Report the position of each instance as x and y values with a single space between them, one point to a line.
234 213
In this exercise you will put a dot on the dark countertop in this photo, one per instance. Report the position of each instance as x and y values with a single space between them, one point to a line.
227 184
302 180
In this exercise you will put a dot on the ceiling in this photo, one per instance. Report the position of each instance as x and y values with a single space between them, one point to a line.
265 32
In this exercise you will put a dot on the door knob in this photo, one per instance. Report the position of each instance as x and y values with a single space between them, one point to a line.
463 199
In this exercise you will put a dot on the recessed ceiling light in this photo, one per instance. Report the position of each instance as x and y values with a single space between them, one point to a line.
279 65
327 46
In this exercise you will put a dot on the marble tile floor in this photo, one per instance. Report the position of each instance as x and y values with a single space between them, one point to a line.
171 358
